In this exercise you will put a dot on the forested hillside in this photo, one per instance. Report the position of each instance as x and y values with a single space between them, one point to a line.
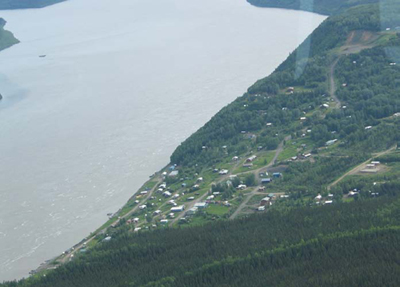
327 7
313 149
24 4
7 39
343 245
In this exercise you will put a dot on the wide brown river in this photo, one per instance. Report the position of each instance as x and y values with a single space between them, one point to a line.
122 84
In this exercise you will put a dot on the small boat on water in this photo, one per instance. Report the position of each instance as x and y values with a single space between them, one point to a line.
42 56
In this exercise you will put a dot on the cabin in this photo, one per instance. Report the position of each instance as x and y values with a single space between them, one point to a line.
144 192
266 180
261 208
318 197
252 158
192 211
277 174
178 208
265 201
174 173
143 206
376 162
164 221
223 171
157 212
201 205
167 194
248 165
328 202
241 186
331 142
235 158
261 188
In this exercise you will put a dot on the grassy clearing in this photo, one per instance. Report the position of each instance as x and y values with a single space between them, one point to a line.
263 159
215 209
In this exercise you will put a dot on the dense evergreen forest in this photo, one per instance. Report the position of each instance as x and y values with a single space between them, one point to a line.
327 7
24 4
336 97
7 39
341 245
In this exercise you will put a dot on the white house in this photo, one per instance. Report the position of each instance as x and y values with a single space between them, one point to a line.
178 208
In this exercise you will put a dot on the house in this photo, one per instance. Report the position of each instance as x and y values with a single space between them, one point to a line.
163 185
250 159
157 212
265 201
371 165
174 173
235 158
269 124
318 197
271 195
144 192
328 202
167 194
223 171
241 186
175 196
164 221
261 188
261 208
192 211
201 205
376 162
178 208
190 198
307 155
143 206
331 142
303 118
277 174
200 179
171 202
210 197
266 180
137 229
294 157
248 165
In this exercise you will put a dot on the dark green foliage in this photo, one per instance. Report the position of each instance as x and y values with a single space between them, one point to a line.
7 39
329 246
327 7
23 4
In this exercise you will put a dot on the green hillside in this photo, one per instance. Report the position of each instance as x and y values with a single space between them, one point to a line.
327 7
24 4
7 39
296 183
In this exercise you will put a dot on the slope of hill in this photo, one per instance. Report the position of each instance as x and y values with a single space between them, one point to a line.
312 148
327 7
7 39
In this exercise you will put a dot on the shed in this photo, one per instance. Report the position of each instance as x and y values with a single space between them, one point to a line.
201 205
266 180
